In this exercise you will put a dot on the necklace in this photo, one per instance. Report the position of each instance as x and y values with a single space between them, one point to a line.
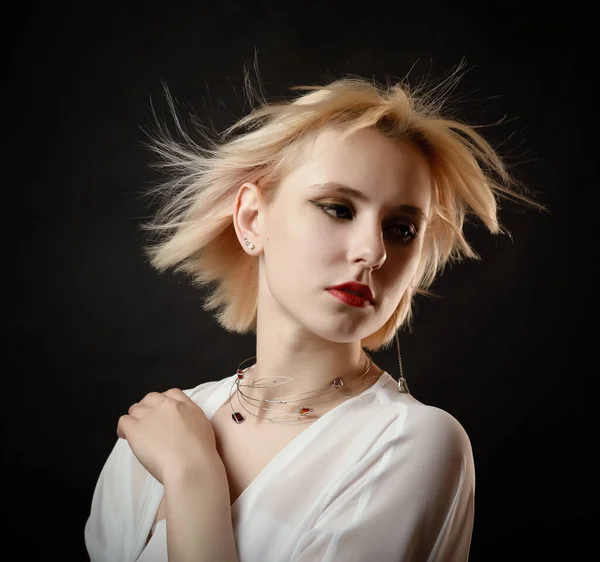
293 417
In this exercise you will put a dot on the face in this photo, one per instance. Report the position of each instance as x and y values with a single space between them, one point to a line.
314 236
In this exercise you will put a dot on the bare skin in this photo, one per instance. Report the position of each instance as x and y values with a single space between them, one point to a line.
247 448
302 330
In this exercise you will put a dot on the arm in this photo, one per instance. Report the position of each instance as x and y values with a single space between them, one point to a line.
199 526
410 498
123 503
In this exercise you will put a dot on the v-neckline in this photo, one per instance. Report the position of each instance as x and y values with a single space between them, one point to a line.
299 441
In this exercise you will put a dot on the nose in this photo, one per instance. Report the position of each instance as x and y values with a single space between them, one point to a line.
368 246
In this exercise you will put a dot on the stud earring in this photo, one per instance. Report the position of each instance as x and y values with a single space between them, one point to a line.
248 244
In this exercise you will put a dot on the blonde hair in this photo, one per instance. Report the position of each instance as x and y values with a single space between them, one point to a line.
193 228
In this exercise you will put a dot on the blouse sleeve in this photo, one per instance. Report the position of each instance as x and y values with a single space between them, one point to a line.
126 499
411 499
120 510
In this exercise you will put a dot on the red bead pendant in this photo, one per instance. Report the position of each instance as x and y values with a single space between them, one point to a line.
304 411
237 417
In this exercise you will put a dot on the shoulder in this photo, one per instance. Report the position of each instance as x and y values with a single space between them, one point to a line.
431 441
428 461
422 423
203 392
437 427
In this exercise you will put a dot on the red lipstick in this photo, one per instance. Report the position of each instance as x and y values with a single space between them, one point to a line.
352 293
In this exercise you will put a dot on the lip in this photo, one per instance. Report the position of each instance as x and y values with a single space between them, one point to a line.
347 298
363 290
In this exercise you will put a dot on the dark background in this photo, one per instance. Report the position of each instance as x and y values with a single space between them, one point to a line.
93 328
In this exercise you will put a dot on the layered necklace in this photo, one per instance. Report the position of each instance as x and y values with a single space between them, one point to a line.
292 417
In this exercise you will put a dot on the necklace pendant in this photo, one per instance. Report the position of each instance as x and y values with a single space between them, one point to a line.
304 411
402 386
237 417
338 383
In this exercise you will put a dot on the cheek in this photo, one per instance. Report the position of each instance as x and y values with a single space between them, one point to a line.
314 248
407 276
311 240
401 271
296 248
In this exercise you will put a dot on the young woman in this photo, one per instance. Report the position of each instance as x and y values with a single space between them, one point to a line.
317 220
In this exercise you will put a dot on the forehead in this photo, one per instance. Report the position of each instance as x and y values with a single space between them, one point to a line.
366 160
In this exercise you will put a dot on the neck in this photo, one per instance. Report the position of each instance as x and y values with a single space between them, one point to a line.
305 391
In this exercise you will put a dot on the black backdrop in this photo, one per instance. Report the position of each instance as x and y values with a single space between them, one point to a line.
93 328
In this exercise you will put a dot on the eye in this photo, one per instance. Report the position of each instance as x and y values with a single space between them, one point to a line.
329 207
407 231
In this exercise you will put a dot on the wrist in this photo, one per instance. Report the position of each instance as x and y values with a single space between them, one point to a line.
209 471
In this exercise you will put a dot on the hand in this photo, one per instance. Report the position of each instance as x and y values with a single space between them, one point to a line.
169 434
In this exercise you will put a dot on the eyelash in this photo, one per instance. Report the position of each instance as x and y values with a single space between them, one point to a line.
413 234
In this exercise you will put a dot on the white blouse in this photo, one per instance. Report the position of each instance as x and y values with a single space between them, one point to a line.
380 477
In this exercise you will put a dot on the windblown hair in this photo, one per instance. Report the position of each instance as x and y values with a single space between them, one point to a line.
194 225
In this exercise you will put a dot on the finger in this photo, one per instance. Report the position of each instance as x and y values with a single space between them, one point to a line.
152 399
138 411
177 394
125 425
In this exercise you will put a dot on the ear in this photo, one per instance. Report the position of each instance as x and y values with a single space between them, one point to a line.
248 211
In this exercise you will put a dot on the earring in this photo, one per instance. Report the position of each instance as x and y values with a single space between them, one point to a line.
248 244
402 385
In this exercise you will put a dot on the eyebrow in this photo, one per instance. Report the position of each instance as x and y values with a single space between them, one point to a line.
342 188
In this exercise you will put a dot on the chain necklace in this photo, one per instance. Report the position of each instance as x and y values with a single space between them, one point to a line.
293 417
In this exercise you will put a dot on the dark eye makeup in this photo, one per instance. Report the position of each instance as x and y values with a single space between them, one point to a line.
410 235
